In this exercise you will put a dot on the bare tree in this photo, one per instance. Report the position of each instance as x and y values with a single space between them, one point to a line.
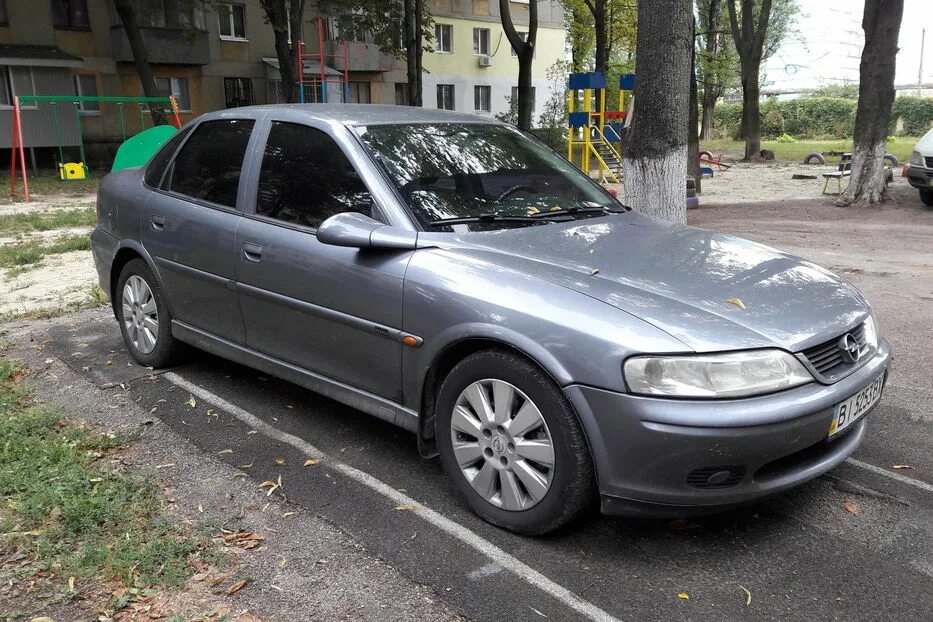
881 22
654 164
525 50
286 16
127 13
749 40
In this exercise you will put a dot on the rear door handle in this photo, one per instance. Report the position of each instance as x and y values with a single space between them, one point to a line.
252 252
158 222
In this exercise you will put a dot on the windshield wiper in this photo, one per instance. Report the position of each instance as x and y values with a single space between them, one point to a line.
578 210
461 220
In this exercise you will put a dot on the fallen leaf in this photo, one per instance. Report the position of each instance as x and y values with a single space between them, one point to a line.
267 483
748 596
191 401
311 462
901 466
110 362
16 376
165 466
280 461
737 302
224 451
594 272
71 584
683 596
850 507
287 514
406 507
236 587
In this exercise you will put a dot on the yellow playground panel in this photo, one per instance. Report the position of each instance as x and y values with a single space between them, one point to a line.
593 134
72 170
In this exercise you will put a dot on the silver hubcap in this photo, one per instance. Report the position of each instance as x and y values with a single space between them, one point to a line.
502 444
140 314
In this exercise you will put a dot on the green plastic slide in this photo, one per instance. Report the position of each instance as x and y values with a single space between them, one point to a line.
137 150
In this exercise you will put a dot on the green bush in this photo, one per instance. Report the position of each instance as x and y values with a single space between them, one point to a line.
917 113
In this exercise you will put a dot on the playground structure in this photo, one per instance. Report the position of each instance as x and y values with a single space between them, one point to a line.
595 133
319 84
72 170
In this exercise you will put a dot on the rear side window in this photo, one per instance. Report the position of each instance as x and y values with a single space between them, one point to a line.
160 159
208 167
305 178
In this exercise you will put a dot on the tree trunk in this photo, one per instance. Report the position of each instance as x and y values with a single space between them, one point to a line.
127 15
277 16
749 43
693 137
601 28
526 52
414 52
751 112
654 164
709 111
712 49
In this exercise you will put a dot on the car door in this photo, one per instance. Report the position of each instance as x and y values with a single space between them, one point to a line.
332 310
189 227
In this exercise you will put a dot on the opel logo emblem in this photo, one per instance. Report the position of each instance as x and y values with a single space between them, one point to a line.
849 348
498 445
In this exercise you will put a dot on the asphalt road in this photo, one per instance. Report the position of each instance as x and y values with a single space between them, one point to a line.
801 555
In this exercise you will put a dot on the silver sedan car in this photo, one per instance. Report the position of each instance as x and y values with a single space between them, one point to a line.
455 277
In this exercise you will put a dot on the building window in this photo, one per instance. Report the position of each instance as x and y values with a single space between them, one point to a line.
86 86
524 37
4 20
15 81
177 87
232 21
238 92
401 93
70 14
482 97
445 97
481 41
443 38
359 92
515 96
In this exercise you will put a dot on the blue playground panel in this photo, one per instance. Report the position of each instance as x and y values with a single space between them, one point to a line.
578 119
591 80
706 171
613 137
627 82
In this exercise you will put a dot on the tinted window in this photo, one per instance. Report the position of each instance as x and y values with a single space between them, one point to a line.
208 166
160 160
305 178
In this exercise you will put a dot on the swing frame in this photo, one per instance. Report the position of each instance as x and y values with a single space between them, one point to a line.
18 155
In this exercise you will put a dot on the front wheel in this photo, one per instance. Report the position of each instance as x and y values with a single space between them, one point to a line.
512 445
145 320
927 197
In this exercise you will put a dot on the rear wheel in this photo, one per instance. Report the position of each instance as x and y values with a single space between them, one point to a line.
512 445
145 320
927 197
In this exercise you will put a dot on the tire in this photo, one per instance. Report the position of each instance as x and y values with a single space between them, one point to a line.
706 154
148 335
890 157
927 197
556 495
815 155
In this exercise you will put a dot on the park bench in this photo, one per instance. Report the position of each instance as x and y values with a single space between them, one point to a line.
837 175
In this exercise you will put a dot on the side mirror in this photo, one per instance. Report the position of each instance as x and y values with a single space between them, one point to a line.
357 230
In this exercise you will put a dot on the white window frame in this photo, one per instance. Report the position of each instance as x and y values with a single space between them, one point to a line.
438 30
172 82
5 74
228 7
76 78
478 41
477 98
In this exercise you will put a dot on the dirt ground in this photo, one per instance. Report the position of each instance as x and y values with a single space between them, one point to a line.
749 183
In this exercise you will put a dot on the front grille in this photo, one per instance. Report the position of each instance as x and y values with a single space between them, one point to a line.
826 358
726 476
929 161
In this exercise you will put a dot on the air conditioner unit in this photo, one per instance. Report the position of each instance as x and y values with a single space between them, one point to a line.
484 61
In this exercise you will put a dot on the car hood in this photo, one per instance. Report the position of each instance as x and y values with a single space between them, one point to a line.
710 291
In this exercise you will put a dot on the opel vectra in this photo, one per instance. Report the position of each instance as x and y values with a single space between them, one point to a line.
455 277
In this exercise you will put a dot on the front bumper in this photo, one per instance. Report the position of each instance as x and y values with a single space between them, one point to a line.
653 456
919 177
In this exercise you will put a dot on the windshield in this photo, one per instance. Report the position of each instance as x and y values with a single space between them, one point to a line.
491 176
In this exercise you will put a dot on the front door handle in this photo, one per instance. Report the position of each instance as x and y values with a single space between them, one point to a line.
252 252
158 222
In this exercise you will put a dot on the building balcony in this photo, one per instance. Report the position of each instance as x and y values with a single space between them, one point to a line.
362 56
171 46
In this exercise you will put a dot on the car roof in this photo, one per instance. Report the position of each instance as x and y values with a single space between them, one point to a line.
365 114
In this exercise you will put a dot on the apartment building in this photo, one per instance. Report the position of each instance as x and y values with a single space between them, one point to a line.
473 68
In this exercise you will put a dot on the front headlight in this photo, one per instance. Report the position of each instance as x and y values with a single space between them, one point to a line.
916 159
738 374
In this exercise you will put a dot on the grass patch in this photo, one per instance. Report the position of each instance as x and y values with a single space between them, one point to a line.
69 510
33 251
46 183
795 152
47 221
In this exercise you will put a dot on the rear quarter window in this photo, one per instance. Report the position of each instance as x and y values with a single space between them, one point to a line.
159 161
209 164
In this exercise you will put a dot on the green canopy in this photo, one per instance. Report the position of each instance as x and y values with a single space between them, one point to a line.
137 150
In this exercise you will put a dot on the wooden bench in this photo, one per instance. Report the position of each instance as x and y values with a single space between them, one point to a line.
837 175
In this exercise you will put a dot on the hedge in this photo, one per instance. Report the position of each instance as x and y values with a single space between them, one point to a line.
821 117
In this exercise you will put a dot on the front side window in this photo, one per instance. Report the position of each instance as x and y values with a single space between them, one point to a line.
209 165
177 87
482 97
485 171
70 14
481 41
305 178
445 97
160 160
232 20
443 38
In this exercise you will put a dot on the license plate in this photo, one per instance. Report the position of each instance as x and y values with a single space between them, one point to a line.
848 411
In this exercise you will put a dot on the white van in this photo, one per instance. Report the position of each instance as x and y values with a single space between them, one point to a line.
920 174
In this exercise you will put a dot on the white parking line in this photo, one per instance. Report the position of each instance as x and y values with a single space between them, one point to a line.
895 476
456 530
